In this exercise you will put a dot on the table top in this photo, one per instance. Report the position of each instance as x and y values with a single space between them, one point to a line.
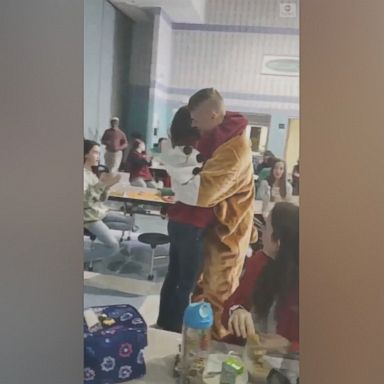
139 195
160 356
163 347
123 192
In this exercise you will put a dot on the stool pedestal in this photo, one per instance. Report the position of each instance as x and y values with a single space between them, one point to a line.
153 240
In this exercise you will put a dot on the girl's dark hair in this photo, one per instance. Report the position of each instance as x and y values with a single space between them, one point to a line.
182 132
283 179
280 275
135 145
88 145
270 158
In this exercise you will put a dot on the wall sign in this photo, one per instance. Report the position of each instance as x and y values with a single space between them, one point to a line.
287 8
280 65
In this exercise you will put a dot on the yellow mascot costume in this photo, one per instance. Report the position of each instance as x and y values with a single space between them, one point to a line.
226 184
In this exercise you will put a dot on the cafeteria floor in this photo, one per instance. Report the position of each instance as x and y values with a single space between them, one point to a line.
103 287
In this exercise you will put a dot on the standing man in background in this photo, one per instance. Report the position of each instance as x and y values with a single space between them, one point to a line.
115 142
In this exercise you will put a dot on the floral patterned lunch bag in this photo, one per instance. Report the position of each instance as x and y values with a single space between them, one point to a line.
113 353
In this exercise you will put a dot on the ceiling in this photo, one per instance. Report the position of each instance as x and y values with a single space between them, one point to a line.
179 11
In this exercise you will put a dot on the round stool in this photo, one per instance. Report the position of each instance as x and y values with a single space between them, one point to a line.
88 265
153 240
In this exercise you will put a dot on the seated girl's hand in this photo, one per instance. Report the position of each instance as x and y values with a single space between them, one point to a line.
241 324
109 179
116 178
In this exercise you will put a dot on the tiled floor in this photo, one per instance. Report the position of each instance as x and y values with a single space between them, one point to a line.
105 287
147 305
139 255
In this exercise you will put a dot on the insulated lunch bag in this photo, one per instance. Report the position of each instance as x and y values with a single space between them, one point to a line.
115 353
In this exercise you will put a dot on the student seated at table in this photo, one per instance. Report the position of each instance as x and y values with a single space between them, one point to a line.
276 187
268 157
157 148
132 138
296 179
138 163
263 170
160 175
160 143
96 213
267 298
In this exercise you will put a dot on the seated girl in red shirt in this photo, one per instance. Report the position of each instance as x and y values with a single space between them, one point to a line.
138 163
267 299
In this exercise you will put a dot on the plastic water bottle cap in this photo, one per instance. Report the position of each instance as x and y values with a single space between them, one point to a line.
198 316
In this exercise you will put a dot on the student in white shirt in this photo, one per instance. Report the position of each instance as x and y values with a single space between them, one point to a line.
276 187
96 214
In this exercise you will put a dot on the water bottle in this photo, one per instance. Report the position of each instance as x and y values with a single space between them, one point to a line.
196 341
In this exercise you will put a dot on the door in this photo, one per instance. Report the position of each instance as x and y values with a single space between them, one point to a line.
258 136
292 145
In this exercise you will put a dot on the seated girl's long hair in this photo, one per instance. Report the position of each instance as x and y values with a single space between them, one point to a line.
282 181
281 275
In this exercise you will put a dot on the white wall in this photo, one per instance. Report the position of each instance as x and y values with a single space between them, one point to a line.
162 67
99 20
170 61
232 63
227 53
200 6
249 12
162 51
107 47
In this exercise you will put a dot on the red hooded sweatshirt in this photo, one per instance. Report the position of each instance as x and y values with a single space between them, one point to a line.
287 314
233 125
138 166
